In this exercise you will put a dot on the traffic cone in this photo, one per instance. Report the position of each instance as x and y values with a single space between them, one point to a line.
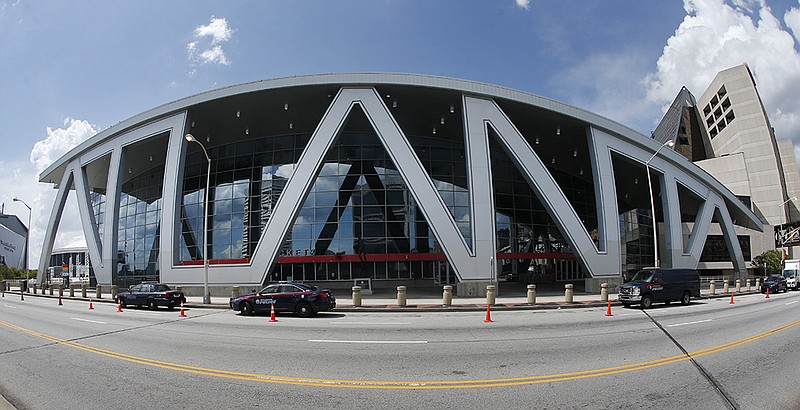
731 298
21 295
488 314
182 313
767 293
90 304
119 306
272 313
608 313
59 301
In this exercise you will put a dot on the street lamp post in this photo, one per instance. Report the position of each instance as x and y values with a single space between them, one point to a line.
27 239
669 143
206 295
783 236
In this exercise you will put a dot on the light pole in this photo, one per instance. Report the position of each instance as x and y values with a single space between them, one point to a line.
783 236
669 143
206 295
27 238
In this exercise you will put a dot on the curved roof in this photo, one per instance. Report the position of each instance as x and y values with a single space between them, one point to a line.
54 172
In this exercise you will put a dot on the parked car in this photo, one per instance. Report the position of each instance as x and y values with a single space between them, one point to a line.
151 295
660 285
300 298
775 284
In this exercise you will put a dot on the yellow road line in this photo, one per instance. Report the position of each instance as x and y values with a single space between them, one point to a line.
428 384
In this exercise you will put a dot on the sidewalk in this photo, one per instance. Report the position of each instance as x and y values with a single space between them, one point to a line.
430 299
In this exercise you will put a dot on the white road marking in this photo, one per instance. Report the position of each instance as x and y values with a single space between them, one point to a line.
791 303
370 323
87 320
377 342
12 307
689 323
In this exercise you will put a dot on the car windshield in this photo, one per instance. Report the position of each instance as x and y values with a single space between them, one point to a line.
643 276
773 279
788 273
161 288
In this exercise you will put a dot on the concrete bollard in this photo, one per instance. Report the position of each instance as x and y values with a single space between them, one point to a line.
725 287
491 294
401 296
604 292
356 296
61 290
34 288
447 295
738 286
72 291
98 291
747 283
712 288
531 294
568 293
758 283
50 289
84 290
114 291
235 292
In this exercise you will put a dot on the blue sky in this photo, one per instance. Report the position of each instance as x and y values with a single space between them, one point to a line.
71 69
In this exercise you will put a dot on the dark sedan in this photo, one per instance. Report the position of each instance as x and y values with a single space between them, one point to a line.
151 295
774 283
302 299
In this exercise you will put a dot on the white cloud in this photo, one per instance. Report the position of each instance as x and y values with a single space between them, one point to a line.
22 179
525 4
206 47
715 35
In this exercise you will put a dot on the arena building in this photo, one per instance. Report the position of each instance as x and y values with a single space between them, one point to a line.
395 177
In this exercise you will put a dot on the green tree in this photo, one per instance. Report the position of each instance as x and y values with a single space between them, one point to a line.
771 259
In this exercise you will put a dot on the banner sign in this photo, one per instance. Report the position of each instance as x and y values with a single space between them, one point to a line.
12 248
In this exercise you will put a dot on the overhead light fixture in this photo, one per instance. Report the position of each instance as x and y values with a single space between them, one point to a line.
388 96
291 125
636 181
394 104
286 106
192 123
208 139
452 108
558 130
581 171
575 153
441 121
536 141
553 161
247 131
238 113
130 170
434 130
151 158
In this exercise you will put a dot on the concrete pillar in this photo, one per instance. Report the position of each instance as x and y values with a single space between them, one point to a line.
60 290
531 294
235 292
114 291
401 296
356 296
568 293
747 283
98 291
72 291
84 290
491 294
725 286
447 295
604 292
712 288
738 286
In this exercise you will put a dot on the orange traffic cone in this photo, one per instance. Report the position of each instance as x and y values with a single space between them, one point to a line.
119 306
731 298
59 301
272 313
767 293
488 314
90 304
21 295
182 313
608 313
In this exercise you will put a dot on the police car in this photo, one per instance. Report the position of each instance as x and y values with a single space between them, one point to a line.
302 299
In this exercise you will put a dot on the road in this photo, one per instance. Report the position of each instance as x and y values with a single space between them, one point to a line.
710 355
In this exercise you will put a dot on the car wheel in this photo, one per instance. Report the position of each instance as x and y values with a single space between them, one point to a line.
151 304
122 302
686 298
248 309
647 301
304 309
